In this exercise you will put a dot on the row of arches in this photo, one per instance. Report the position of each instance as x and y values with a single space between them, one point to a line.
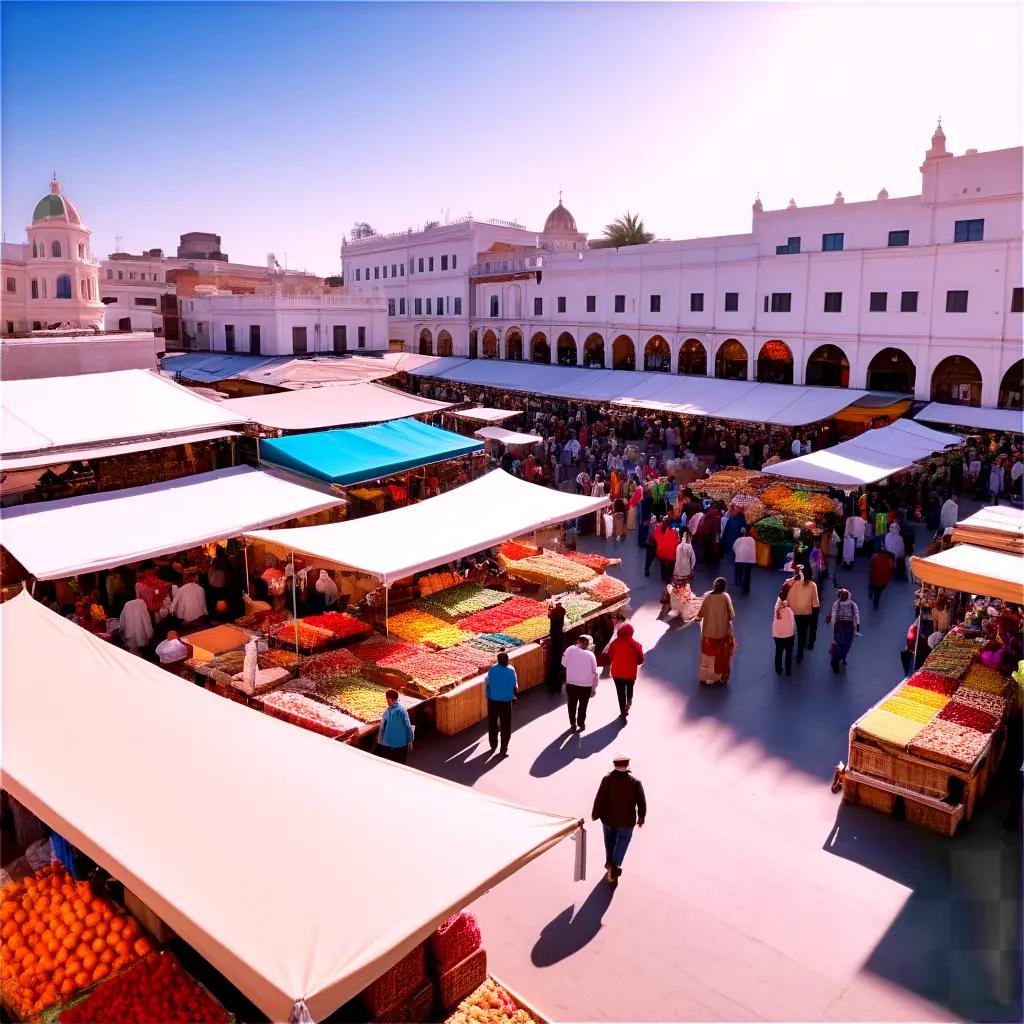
56 250
62 288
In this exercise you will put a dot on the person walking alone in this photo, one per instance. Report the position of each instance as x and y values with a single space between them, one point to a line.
879 575
686 559
620 806
783 628
804 602
502 688
396 733
717 639
581 675
845 619
744 551
626 656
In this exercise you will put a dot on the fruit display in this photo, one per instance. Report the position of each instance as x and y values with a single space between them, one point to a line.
990 702
437 671
950 743
493 642
496 620
58 938
888 727
752 509
531 630
434 582
446 636
986 680
909 709
490 1003
952 656
355 696
323 667
414 625
795 506
297 633
577 607
596 562
924 680
465 599
772 530
342 625
513 550
727 483
972 718
301 710
550 570
262 619
606 589
385 650
156 990
481 657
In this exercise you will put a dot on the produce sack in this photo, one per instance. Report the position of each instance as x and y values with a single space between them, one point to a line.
455 940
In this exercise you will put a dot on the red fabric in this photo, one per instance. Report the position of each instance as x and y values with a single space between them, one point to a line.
880 569
666 540
626 654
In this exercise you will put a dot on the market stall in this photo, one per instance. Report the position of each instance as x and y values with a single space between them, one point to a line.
316 919
509 438
1009 421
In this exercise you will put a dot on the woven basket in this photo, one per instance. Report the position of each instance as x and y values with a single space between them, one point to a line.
931 780
944 820
456 939
398 983
462 979
414 1009
870 760
868 796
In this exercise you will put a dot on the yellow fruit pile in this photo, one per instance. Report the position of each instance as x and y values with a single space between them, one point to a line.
530 630
414 625
489 1004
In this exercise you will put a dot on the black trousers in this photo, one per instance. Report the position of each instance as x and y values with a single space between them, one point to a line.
784 648
399 754
667 568
803 625
624 691
649 556
578 698
875 592
743 570
499 722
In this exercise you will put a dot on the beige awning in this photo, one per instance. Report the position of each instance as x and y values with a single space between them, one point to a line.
1000 527
974 570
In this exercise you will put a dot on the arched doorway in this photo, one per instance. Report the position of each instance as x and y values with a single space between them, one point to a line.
828 367
731 361
657 355
474 345
623 353
566 349
426 343
540 350
693 358
775 363
1011 388
490 345
444 344
956 380
593 352
514 346
892 370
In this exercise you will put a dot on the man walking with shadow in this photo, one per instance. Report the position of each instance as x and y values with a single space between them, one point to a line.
502 689
621 806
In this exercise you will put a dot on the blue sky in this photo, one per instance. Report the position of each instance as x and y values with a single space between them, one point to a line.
277 125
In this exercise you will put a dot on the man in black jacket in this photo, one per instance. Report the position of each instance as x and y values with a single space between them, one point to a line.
620 804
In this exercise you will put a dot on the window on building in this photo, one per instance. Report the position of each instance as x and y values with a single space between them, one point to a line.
591 303
401 307
1017 301
898 238
538 306
696 302
142 302
877 302
732 302
229 337
63 287
339 339
385 271
357 273
419 265
833 302
394 270
401 269
956 302
655 303
908 302
361 339
457 307
792 246
81 287
376 273
81 250
12 285
620 303
782 302
10 326
454 261
832 242
494 305
35 251
429 304
412 267
55 248
969 231
444 262
440 306
430 264
391 307
110 275
36 325
120 275
417 307
299 341
254 338
560 303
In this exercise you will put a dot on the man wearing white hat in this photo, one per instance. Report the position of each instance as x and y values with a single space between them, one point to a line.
621 806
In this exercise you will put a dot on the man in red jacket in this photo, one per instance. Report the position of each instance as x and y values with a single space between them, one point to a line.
626 656
620 805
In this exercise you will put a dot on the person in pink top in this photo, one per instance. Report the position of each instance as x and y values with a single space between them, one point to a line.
783 632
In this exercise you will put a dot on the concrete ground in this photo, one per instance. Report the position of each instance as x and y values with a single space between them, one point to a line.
752 892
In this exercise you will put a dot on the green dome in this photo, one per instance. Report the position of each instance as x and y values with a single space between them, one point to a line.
56 207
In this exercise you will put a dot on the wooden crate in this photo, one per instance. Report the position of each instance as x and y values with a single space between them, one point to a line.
918 809
871 760
455 984
532 1010
860 792
941 818
462 707
922 777
531 665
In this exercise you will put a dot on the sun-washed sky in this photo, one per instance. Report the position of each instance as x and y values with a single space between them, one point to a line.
278 125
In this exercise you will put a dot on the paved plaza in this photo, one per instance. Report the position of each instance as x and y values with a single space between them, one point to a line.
752 892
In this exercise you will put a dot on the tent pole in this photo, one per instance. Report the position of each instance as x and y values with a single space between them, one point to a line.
387 591
295 603
33 590
245 555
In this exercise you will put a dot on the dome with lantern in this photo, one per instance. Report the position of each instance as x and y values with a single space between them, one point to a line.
560 221
56 208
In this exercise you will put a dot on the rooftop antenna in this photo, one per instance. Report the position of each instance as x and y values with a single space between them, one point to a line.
117 243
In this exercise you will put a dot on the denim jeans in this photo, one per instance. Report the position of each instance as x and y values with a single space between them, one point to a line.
616 842
743 570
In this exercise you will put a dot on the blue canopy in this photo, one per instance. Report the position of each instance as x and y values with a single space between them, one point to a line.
211 367
366 453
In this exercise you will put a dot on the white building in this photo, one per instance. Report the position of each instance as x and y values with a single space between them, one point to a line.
920 294
277 324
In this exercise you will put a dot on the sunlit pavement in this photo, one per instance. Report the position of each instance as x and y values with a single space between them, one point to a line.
752 892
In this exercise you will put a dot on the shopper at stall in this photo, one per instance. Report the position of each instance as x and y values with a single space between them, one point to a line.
845 619
804 602
744 553
879 575
580 664
502 689
136 625
556 620
396 732
666 540
897 549
620 806
188 605
327 590
171 651
686 559
783 630
949 514
625 656
717 639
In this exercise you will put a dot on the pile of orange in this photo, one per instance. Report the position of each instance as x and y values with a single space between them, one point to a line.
57 938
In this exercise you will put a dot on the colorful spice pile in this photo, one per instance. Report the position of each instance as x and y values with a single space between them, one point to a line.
355 696
972 718
925 680
447 636
465 599
949 743
414 625
952 657
530 630
990 702
310 714
496 620
888 727
331 664
605 589
383 650
155 991
551 570
300 634
489 1004
986 680
342 625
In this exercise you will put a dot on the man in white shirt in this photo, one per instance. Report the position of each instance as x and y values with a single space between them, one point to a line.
744 550
580 666
949 513
189 604
795 447
136 625
171 650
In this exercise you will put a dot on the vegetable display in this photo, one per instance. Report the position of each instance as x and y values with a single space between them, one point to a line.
953 744
57 938
796 506
772 530
355 696
465 599
577 607
549 569
342 625
157 990
414 625
489 1004
726 483
496 620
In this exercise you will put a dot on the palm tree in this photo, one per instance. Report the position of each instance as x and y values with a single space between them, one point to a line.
626 230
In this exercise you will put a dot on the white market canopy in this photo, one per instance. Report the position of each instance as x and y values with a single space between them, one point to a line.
336 405
484 415
780 404
974 570
299 867
1010 421
1000 527
871 456
59 414
57 539
396 544
315 372
512 437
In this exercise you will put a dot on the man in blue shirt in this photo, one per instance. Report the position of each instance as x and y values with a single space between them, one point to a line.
395 736
502 687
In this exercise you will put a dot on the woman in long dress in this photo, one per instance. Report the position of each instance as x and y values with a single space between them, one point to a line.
717 639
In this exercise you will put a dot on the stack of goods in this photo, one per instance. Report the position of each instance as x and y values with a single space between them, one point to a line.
491 1003
982 679
415 625
514 550
301 710
156 990
578 607
925 680
346 628
384 650
436 672
953 655
752 509
530 630
434 582
550 570
606 589
459 959
493 642
355 696
483 657
795 506
57 939
301 635
322 668
727 483
948 742
401 993
772 530
465 599
264 618
498 620
596 562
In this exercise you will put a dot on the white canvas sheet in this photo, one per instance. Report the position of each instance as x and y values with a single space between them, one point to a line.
1008 420
507 436
301 868
56 539
1000 527
300 374
336 405
393 545
487 415
974 570
64 412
